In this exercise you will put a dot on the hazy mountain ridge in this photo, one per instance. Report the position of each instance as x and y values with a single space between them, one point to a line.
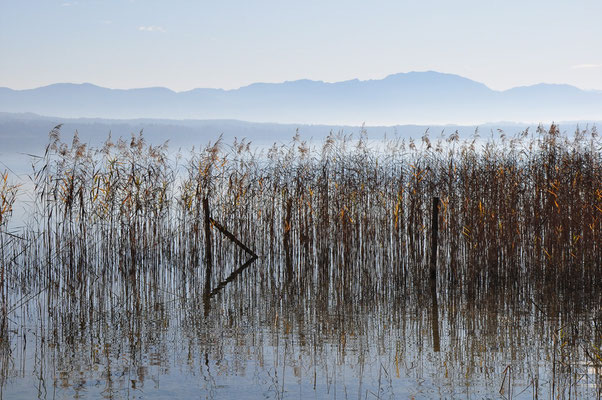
406 98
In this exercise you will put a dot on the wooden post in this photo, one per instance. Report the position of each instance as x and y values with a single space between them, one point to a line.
435 317
433 275
324 229
208 257
434 238
287 240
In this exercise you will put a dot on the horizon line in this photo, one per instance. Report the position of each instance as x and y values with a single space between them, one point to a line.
300 124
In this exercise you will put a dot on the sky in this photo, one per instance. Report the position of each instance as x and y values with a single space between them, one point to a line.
183 44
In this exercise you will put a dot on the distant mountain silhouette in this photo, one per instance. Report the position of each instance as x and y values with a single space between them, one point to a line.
407 98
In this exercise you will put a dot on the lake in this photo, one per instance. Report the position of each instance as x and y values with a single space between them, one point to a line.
336 272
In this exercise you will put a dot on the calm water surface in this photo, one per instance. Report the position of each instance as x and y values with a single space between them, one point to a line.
160 340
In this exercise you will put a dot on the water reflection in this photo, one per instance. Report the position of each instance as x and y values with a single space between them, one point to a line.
159 338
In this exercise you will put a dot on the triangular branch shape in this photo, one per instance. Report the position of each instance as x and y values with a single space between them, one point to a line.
240 269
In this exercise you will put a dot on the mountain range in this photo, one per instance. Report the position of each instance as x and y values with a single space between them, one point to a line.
405 98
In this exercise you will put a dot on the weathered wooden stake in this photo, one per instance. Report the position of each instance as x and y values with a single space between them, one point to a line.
434 238
208 257
433 275
287 239
435 317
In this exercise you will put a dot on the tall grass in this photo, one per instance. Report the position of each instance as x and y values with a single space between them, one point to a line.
348 219
8 195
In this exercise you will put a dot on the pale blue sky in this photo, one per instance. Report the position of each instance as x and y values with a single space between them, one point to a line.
184 44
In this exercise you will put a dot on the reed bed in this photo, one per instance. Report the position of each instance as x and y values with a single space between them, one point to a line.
8 196
349 219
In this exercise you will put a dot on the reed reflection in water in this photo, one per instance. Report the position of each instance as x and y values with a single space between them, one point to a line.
157 341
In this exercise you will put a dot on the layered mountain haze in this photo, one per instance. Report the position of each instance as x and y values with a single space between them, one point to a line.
407 98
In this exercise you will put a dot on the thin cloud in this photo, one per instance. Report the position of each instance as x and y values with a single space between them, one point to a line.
152 28
586 66
69 3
